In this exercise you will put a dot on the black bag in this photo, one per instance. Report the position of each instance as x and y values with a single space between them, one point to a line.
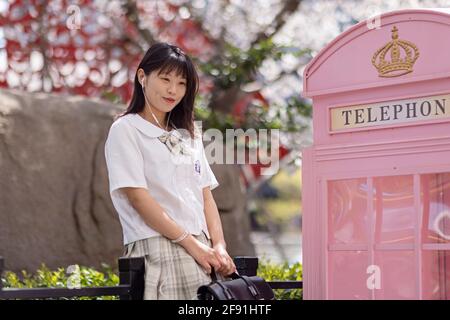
239 288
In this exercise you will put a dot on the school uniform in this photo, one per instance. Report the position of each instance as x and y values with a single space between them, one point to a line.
174 170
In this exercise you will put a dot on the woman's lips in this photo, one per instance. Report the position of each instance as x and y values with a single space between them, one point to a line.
169 100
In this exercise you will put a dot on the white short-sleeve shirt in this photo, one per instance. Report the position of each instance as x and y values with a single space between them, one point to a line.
135 157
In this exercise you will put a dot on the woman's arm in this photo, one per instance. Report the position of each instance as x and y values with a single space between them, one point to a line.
155 217
152 213
216 232
213 218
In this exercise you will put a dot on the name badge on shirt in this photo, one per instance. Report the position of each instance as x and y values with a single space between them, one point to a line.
197 166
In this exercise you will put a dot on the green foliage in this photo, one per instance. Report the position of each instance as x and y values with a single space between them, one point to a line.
214 119
296 106
46 278
236 66
112 97
278 272
285 118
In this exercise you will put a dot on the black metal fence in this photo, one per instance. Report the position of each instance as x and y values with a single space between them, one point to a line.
131 285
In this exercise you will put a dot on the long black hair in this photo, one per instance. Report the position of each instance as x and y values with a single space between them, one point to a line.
165 58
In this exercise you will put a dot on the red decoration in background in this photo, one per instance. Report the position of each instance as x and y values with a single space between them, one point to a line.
251 173
100 42
243 103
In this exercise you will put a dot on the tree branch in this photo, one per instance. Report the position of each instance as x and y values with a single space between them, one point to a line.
290 6
132 13
224 100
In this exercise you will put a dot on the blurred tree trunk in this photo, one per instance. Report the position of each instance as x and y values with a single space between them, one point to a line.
231 199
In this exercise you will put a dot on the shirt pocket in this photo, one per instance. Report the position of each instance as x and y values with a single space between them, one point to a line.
190 174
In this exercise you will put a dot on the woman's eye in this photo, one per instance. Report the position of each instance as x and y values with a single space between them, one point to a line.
165 79
183 83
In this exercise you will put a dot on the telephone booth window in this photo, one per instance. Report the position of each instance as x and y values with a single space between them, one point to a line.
435 205
348 211
400 224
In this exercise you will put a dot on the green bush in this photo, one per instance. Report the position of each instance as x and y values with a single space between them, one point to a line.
89 277
277 272
45 278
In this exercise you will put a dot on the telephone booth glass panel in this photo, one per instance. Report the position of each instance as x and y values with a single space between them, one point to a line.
435 206
348 211
394 209
413 259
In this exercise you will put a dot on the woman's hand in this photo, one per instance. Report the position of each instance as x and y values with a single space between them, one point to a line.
205 256
227 266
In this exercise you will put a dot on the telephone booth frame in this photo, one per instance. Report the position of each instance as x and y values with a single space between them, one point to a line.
376 202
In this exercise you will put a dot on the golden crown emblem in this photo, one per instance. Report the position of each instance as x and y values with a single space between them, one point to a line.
403 54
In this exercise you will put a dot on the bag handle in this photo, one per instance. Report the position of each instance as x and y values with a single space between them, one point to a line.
251 287
213 275
233 275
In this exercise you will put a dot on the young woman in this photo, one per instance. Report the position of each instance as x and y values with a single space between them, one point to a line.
161 182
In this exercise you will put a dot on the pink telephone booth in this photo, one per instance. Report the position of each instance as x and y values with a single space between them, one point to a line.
376 182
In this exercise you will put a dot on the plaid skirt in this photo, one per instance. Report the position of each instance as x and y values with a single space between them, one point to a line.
170 272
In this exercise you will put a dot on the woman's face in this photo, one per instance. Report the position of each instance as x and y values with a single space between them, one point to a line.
164 91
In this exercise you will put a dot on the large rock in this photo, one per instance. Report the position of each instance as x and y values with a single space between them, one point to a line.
54 202
55 206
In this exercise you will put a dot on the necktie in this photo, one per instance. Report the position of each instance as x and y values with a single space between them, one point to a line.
174 142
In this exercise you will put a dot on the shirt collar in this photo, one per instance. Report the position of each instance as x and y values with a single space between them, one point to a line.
145 126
